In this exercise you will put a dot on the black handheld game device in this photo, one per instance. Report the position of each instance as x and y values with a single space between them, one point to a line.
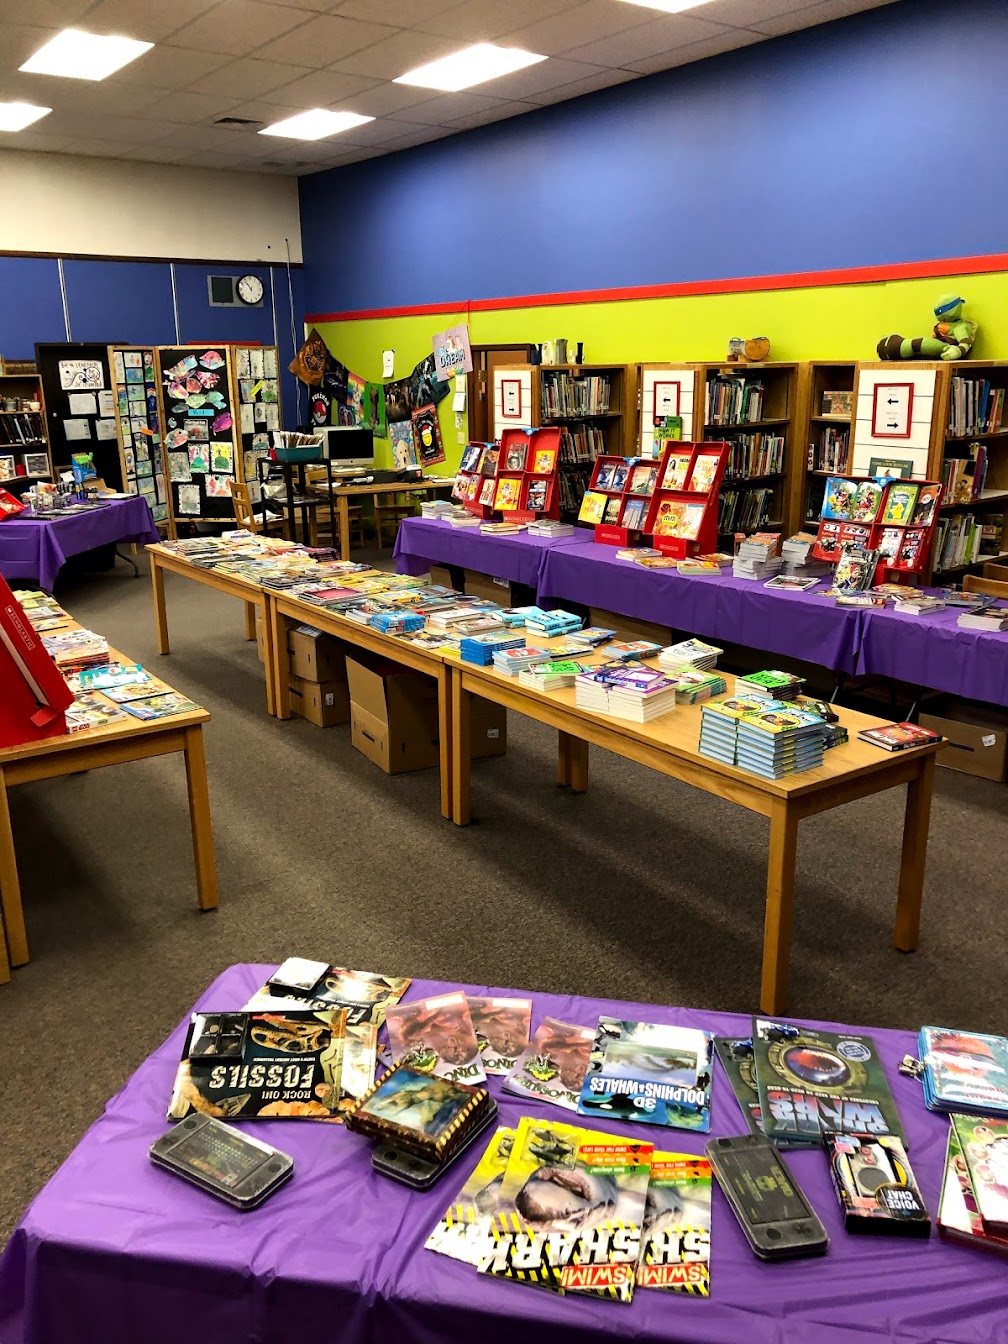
222 1161
777 1219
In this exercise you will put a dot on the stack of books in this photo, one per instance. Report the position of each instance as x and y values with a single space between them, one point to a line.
513 660
797 560
515 617
918 604
436 508
460 518
757 557
482 649
551 676
592 636
693 687
772 685
689 655
76 649
552 623
994 618
397 622
549 527
719 723
501 529
780 741
632 650
625 690
478 623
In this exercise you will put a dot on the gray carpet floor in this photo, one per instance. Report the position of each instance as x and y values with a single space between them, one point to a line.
643 889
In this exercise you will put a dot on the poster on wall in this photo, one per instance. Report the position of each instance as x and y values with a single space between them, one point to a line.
424 388
452 352
427 436
77 374
403 444
397 401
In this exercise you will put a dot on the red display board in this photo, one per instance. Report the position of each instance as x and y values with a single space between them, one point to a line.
618 498
475 480
683 517
898 518
33 694
527 475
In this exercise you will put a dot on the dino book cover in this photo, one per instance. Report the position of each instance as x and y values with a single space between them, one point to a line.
261 1066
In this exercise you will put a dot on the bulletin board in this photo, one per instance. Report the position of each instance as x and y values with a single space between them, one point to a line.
139 427
257 381
196 397
80 406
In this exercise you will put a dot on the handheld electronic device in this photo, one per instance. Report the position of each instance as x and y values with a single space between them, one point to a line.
222 1161
777 1219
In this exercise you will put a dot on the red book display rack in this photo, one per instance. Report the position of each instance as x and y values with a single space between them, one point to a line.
619 497
33 695
683 517
898 518
527 475
475 481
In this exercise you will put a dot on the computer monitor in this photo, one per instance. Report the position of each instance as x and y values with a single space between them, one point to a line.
347 445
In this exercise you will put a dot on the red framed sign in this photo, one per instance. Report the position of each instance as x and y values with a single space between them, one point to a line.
892 410
667 396
511 399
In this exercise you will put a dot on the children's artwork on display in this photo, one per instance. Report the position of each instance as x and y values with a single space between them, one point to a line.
397 401
81 374
222 457
403 444
427 436
197 430
179 468
218 487
189 500
199 457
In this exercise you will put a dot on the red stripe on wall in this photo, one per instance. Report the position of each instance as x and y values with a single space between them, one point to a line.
855 275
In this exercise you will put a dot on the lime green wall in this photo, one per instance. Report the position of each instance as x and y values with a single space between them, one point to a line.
831 322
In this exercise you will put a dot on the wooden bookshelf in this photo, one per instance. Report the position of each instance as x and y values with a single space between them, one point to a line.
766 431
593 405
824 436
21 388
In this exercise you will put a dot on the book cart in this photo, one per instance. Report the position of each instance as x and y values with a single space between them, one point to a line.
218 405
898 518
139 427
683 516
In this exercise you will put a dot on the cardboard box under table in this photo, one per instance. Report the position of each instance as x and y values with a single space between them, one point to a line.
977 739
394 717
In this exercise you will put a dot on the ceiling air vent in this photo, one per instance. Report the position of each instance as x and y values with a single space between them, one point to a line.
237 121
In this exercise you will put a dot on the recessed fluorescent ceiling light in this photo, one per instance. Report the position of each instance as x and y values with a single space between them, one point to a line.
77 55
16 116
315 125
667 6
473 65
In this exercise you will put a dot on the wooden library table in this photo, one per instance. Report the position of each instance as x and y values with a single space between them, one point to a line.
669 745
112 744
285 611
340 496
251 594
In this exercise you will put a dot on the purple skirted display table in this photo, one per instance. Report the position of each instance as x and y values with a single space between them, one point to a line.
423 542
35 549
116 1250
933 651
799 625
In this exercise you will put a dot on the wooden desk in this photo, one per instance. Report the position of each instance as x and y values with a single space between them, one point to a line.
112 744
251 594
285 611
342 494
669 745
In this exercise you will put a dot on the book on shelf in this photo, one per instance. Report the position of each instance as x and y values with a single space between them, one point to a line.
976 406
756 455
830 452
964 478
734 399
564 394
744 510
840 402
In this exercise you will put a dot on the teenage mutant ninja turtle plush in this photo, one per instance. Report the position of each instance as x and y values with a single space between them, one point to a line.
952 338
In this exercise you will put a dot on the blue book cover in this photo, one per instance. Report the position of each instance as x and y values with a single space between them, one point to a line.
655 1074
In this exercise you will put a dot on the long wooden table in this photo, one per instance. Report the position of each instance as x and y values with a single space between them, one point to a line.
670 746
285 611
252 595
342 494
112 744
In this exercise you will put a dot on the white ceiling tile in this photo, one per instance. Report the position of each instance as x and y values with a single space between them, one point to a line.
526 85
327 39
398 53
664 34
21 40
245 77
500 113
380 132
486 20
448 107
168 67
156 154
100 149
575 27
401 13
191 108
38 141
58 13
824 12
95 125
605 79
744 13
236 27
320 88
731 40
386 97
148 20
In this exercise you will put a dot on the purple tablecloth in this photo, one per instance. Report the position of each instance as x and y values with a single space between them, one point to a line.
800 625
36 549
425 541
116 1250
933 651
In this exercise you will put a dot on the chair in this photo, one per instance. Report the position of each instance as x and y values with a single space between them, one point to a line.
399 506
973 583
245 515
316 481
995 571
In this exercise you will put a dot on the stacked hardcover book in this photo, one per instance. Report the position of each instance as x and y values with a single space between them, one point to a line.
625 690
780 741
548 527
689 655
757 557
993 618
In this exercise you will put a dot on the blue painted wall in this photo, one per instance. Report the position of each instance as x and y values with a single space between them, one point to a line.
131 301
869 141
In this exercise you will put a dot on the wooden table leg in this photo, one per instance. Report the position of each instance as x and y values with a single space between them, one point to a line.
199 817
445 730
344 527
160 611
13 939
460 751
269 660
578 765
281 661
250 613
916 821
563 758
779 906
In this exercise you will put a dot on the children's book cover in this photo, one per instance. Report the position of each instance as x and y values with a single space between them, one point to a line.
866 502
552 1066
633 514
502 1030
159 706
572 1208
487 490
736 1056
612 509
693 515
536 495
675 1243
900 503
412 1109
670 518
890 543
811 1082
827 545
427 436
704 472
911 550
471 457
474 488
436 1036
592 507
259 1066
605 476
620 474
984 1143
508 492
676 471
514 459
838 501
926 506
463 1232
964 1070
646 1072
643 479
544 460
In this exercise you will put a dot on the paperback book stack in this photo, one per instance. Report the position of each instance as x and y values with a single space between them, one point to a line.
481 649
689 655
436 508
991 618
625 690
397 622
549 624
513 660
798 561
548 527
757 557
918 604
772 685
692 688
719 723
779 741
551 676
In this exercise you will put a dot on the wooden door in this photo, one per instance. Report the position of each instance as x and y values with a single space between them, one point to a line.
485 359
